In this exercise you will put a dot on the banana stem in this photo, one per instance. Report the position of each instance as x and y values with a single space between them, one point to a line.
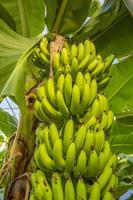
60 16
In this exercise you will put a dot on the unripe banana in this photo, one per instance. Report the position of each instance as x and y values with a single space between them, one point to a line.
70 157
87 77
101 162
108 196
43 46
87 47
50 110
110 116
92 166
74 67
98 69
104 121
103 103
47 141
40 177
91 123
67 46
50 91
93 88
81 52
68 135
80 168
103 83
44 157
108 62
39 191
99 140
80 82
107 151
34 180
75 102
81 190
58 154
60 82
40 92
68 89
104 177
74 51
69 190
64 56
92 66
57 190
53 134
67 69
39 112
95 192
44 58
39 162
32 197
110 185
80 138
93 52
61 103
84 62
85 100
113 161
56 61
89 142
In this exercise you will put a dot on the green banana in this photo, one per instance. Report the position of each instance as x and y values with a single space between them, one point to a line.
87 77
39 191
74 51
104 177
80 168
57 190
87 47
60 83
67 46
108 62
50 92
80 81
53 134
47 141
89 142
113 161
108 196
103 103
107 151
81 190
67 69
69 190
92 66
101 162
95 192
70 157
44 59
68 89
80 138
56 61
99 140
103 83
81 52
64 56
92 166
93 51
110 116
32 197
58 154
98 69
104 121
84 62
43 46
93 88
74 67
68 135
40 92
61 103
75 101
91 122
39 162
110 185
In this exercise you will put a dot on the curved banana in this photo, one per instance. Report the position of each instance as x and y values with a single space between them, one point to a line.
108 196
67 69
84 62
95 192
57 190
103 103
104 82
108 62
110 116
74 67
67 46
93 88
81 190
87 77
93 51
92 66
53 134
87 47
40 92
101 162
39 191
39 162
50 92
80 82
68 135
70 157
104 121
110 185
68 89
113 161
91 122
80 168
61 103
74 51
81 52
58 154
69 190
92 166
107 150
64 56
89 142
97 71
60 83
99 140
56 61
75 101
80 138
43 46
47 141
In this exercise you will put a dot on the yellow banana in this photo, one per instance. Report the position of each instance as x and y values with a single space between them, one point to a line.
75 101
108 196
61 103
108 62
74 51
92 66
47 141
39 191
84 62
110 185
95 192
50 92
68 89
99 140
40 177
104 121
44 58
64 56
57 190
67 69
93 52
92 166
85 100
80 82
104 177
68 135
69 190
87 77
110 116
43 46
44 157
89 142
98 70
107 150
58 154
103 103
40 92
81 52
56 61
39 162
80 138
93 88
80 168
53 134
67 46
50 110
70 157
60 82
74 67
81 190
87 47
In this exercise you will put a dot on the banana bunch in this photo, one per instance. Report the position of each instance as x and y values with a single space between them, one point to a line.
59 187
72 155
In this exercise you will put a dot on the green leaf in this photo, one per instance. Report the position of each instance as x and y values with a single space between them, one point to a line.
119 90
4 15
28 15
126 118
8 124
14 54
129 4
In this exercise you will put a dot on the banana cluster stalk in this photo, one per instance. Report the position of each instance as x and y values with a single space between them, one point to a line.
73 155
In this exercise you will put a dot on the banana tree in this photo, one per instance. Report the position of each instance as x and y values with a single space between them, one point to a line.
22 26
